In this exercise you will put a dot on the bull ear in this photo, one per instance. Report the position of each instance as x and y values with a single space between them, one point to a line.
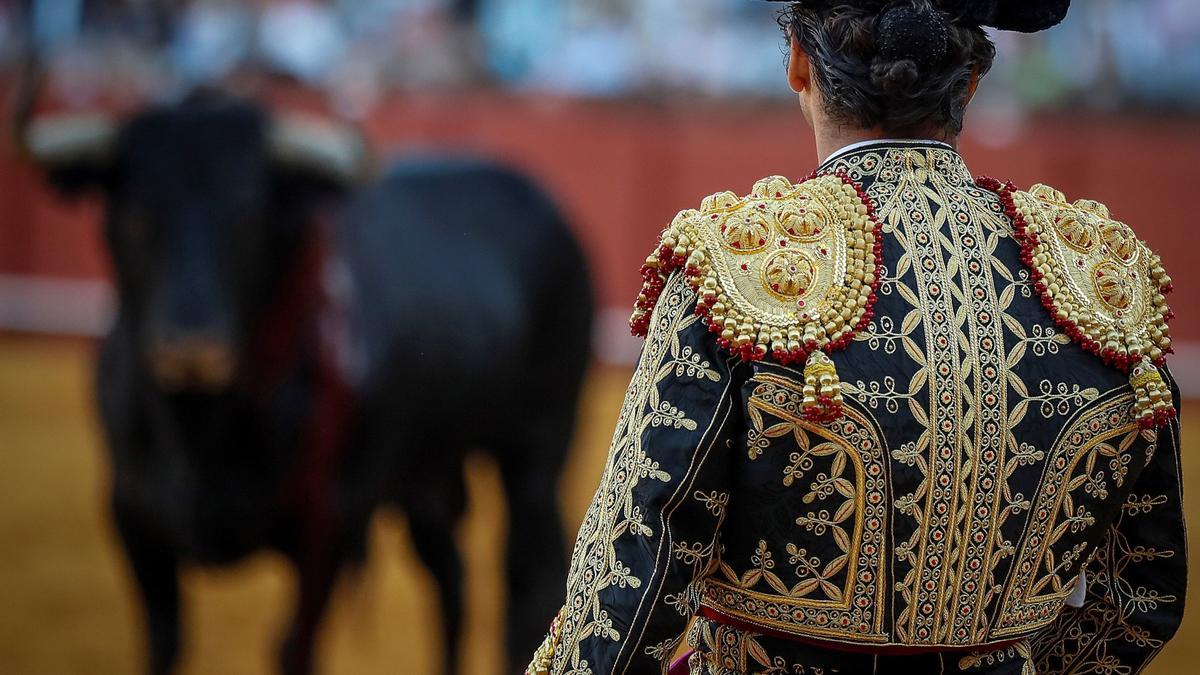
76 150
332 153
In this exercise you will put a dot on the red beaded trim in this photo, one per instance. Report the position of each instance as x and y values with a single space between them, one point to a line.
655 279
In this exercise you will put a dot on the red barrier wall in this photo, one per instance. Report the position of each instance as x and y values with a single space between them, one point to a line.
622 170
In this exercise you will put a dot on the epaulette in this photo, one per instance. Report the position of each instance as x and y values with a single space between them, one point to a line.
1105 288
787 273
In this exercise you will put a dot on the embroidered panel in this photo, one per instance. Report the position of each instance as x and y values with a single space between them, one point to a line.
1092 458
724 650
946 276
830 581
1136 582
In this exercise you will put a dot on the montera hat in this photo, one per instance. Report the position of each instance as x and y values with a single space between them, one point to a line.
1025 16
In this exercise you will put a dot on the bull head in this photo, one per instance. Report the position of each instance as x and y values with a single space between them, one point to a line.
208 203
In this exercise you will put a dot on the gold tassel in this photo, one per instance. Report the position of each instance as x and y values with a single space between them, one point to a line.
822 389
1154 406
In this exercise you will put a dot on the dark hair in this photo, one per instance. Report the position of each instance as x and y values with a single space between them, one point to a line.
905 69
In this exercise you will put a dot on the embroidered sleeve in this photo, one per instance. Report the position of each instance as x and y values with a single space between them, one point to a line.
651 532
1137 581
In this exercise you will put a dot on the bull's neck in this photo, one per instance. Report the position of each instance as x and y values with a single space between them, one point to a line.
286 335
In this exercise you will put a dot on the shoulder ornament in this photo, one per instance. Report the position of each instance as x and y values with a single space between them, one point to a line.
1105 288
787 273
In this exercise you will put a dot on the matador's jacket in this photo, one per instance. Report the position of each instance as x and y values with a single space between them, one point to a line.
890 419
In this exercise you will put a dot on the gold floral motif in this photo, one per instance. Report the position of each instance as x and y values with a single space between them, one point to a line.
789 275
1128 320
804 219
1078 231
1111 299
724 650
746 231
1113 286
1120 241
1112 633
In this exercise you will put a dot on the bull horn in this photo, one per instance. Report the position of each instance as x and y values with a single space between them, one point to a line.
336 151
74 138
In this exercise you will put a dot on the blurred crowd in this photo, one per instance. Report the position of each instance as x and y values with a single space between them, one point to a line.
1109 54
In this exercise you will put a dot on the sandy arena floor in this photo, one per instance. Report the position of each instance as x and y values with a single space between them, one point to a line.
66 604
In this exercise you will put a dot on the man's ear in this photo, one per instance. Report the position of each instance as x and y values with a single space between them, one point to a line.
799 69
973 85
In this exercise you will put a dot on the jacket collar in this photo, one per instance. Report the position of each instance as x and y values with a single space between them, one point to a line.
938 157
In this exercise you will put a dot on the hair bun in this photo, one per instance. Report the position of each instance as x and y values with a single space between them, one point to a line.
895 77
908 33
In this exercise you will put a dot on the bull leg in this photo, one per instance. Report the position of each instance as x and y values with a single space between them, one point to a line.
155 567
535 557
317 563
432 531
316 587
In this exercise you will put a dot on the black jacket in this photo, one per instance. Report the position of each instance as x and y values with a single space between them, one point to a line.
982 460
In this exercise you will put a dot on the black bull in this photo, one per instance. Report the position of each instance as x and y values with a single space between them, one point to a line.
290 354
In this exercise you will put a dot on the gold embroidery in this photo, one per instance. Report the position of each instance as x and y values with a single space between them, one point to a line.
1020 651
724 650
789 275
976 231
1104 286
913 211
991 522
1036 593
842 466
969 453
786 272
1097 639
